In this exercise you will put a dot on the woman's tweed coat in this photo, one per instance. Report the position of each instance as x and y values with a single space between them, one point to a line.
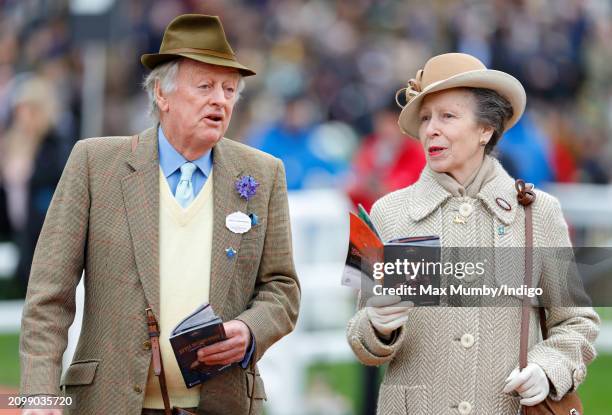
455 360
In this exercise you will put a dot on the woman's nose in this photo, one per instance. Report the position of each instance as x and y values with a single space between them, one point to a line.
431 129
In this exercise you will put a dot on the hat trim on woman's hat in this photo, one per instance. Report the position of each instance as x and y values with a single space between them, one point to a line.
504 84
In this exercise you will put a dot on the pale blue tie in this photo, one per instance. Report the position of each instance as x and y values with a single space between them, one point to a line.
184 191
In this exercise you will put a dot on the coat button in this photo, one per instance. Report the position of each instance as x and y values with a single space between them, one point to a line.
467 340
466 209
465 408
579 374
146 345
137 388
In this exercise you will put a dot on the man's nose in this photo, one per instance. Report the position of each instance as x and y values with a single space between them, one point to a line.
218 95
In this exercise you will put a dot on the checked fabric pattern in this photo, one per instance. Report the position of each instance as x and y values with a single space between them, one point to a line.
103 221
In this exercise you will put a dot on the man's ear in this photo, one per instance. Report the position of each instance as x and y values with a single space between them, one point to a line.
160 98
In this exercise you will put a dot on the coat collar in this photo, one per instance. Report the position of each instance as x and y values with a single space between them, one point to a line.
427 195
170 160
146 152
500 188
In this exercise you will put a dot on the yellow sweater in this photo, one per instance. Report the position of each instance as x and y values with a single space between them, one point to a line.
185 245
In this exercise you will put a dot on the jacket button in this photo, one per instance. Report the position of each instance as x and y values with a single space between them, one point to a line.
137 389
467 340
146 345
579 374
466 209
465 408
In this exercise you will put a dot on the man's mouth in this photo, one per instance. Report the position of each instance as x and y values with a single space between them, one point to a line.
435 150
213 119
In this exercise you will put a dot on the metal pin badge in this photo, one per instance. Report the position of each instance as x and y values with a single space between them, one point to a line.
238 222
502 203
230 252
459 219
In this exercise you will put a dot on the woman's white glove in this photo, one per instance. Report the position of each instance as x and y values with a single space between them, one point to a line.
387 313
531 383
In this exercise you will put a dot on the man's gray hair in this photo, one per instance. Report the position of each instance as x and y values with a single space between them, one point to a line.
166 75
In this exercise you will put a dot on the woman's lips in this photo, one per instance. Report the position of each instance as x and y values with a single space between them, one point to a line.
435 151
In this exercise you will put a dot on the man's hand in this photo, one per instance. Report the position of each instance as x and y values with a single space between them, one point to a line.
531 383
387 313
229 350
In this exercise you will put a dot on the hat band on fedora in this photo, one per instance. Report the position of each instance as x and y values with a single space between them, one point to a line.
203 51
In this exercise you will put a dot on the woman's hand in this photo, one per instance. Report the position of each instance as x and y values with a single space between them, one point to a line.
387 313
531 383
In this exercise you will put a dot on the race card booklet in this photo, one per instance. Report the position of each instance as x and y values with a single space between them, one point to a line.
405 264
199 329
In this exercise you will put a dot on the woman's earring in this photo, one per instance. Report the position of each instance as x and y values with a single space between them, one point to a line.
483 143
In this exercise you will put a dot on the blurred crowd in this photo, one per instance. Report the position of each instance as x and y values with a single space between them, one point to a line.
323 99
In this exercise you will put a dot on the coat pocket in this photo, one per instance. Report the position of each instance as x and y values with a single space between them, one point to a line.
403 400
80 372
257 231
255 385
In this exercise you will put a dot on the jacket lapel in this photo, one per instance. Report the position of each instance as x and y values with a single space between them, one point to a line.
500 192
141 197
427 195
226 200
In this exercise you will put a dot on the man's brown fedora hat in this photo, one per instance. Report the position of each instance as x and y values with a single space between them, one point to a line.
198 37
456 70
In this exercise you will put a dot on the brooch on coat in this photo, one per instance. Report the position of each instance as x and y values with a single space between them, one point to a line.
246 186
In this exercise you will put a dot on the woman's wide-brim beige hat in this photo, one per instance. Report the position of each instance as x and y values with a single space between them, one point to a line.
198 37
457 70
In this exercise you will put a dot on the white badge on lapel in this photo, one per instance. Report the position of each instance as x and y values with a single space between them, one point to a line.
238 222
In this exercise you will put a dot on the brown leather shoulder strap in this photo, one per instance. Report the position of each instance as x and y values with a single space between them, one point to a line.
526 196
158 366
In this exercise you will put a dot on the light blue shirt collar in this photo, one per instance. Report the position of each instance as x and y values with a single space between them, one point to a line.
171 160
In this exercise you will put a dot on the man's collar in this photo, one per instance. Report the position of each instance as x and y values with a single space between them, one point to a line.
427 195
171 160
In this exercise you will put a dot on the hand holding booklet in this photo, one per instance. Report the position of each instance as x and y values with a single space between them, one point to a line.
397 267
199 329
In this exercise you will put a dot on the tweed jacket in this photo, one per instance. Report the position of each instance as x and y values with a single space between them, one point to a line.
103 220
454 360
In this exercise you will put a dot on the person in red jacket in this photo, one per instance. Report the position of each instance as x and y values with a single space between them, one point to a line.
387 160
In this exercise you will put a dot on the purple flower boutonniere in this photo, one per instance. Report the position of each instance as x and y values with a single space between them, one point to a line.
246 187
